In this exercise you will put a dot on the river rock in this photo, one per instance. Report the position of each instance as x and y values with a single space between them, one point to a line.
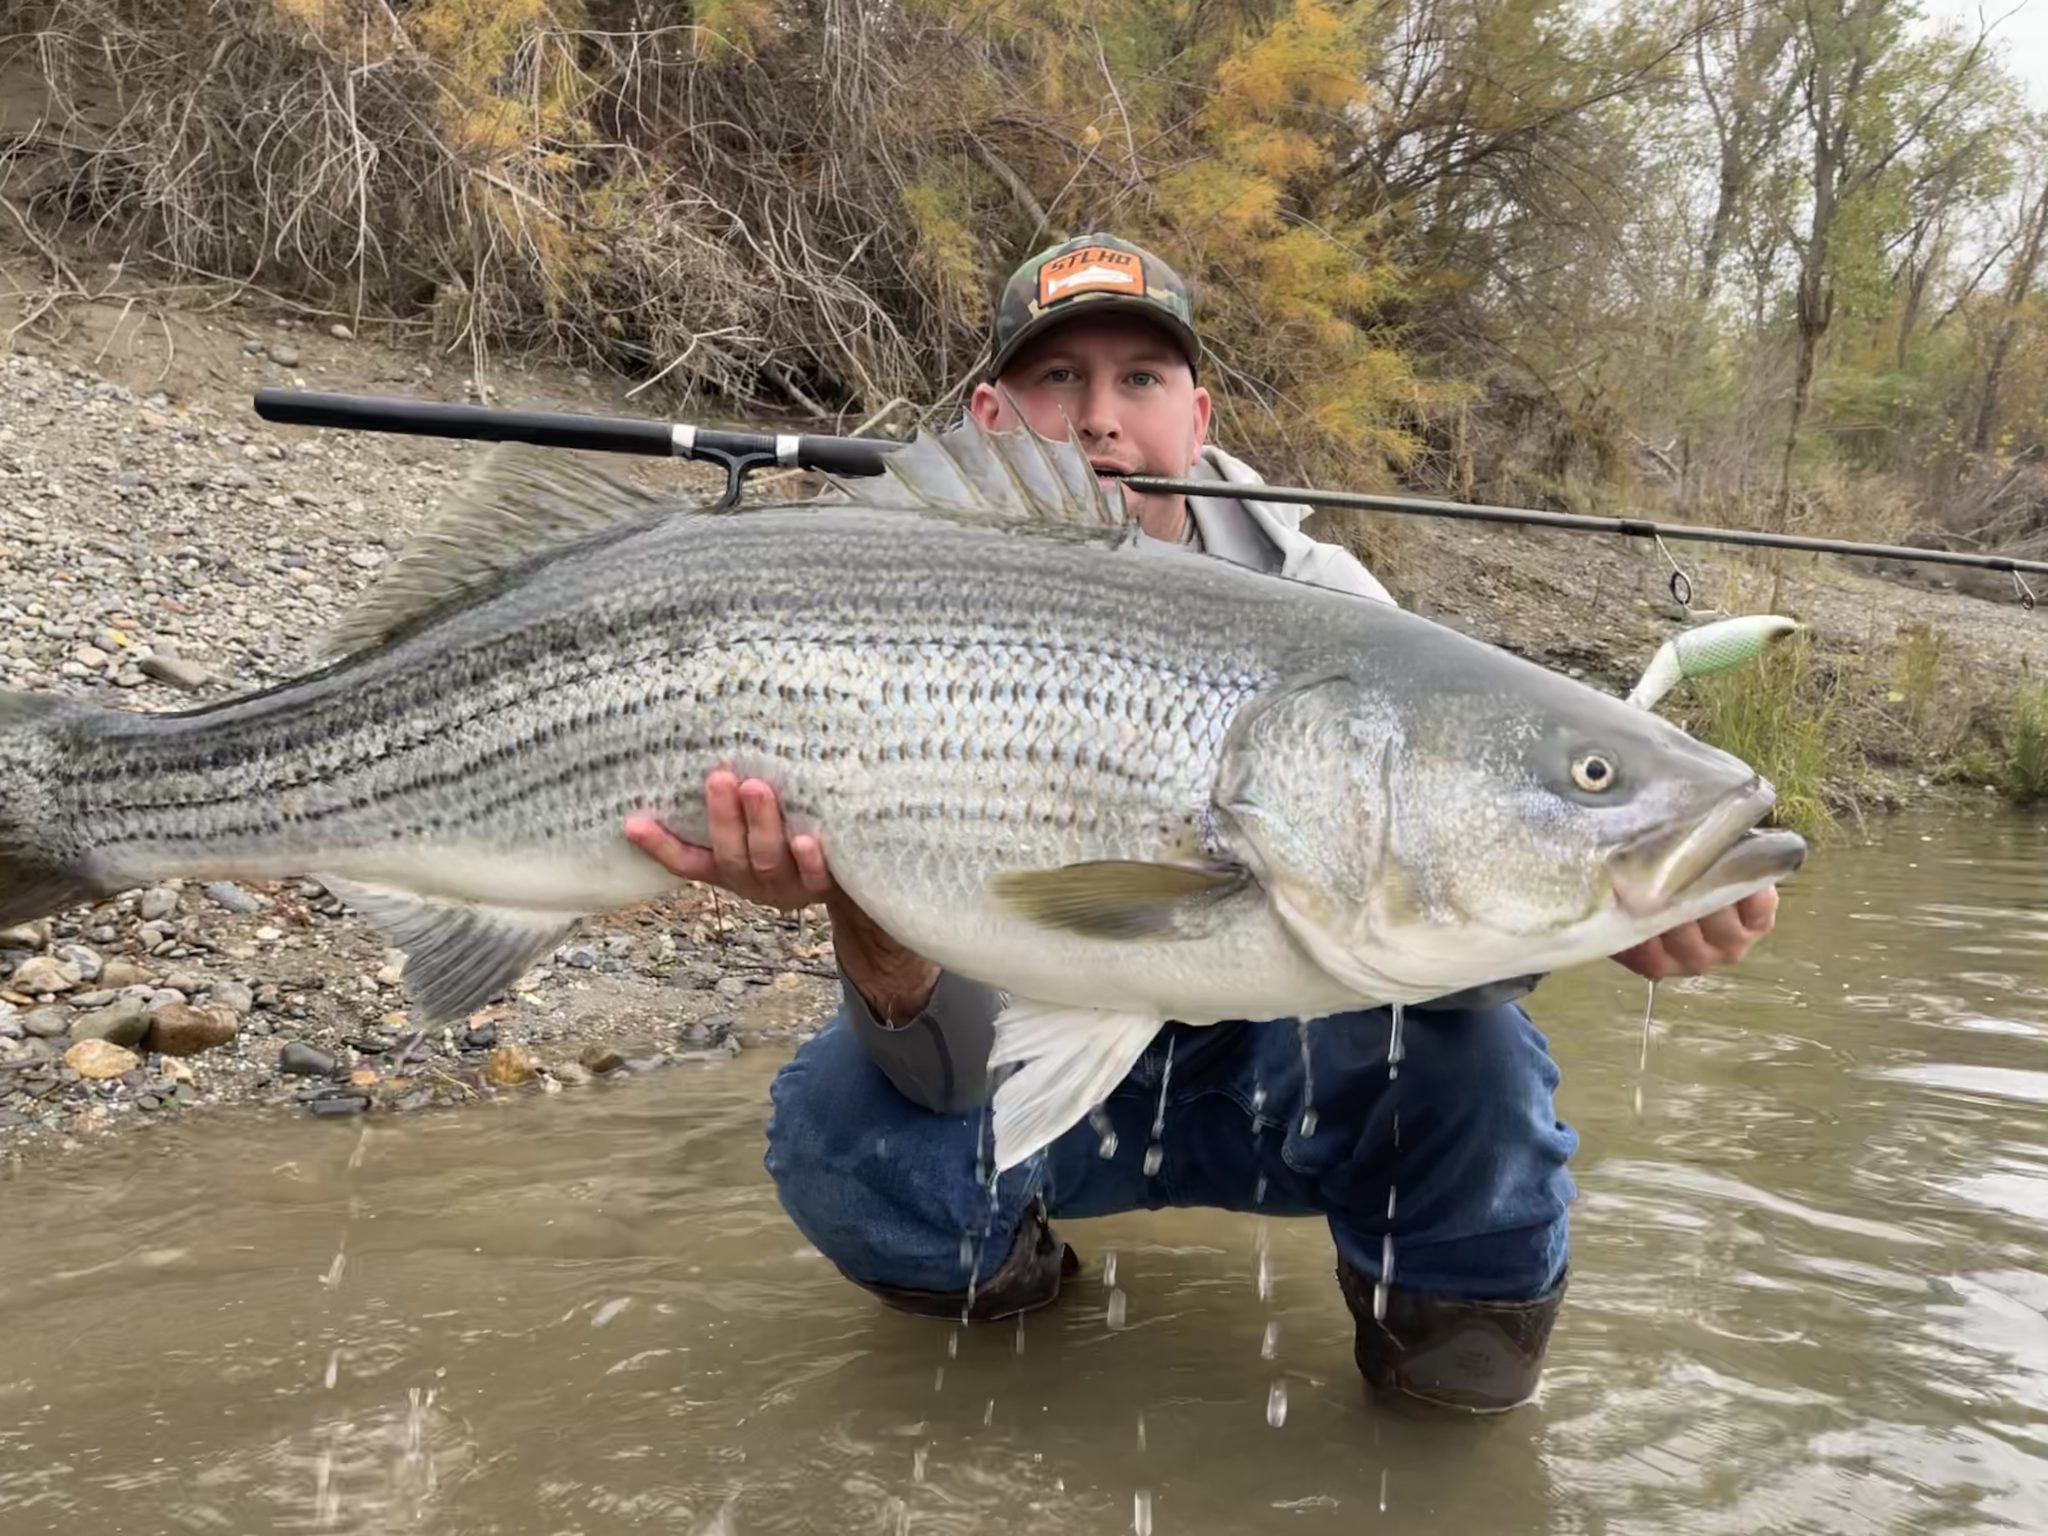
10 1022
176 671
46 1023
124 973
158 901
509 1065
85 961
44 973
123 1022
601 1058
100 1060
223 893
233 995
178 1029
303 1060
26 935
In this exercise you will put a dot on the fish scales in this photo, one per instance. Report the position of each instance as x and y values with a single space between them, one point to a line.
881 674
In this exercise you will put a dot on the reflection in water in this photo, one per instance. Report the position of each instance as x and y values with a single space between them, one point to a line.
1810 1292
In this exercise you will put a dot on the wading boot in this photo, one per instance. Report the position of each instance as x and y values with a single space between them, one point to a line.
1029 1278
1478 1356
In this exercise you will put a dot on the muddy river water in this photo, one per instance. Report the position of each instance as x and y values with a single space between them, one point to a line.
1810 1294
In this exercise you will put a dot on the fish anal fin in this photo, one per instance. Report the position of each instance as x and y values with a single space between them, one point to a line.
1120 898
1070 1060
458 955
516 502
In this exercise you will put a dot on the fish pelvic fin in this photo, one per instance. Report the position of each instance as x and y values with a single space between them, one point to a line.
1071 1058
39 875
1120 898
516 503
1015 476
458 955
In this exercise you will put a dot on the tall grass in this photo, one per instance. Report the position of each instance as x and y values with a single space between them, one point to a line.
1779 716
2026 744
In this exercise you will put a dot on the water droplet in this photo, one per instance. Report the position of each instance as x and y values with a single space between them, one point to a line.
1308 1122
1383 1490
1118 1307
1396 1051
917 1461
939 1379
1258 1097
967 1251
1265 1277
1379 1301
1269 1346
1387 1258
1154 1156
1020 1333
1106 1148
1276 1404
1141 1512
1109 1267
1141 1432
1259 1191
988 1414
1390 1202
953 1345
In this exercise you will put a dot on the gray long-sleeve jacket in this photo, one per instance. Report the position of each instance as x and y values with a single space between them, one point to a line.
939 1058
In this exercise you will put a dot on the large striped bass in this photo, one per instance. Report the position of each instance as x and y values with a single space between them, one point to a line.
1120 782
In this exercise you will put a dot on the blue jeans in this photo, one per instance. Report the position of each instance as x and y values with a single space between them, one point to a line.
1255 1120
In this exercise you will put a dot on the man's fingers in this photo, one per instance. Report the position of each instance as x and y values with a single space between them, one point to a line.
1759 910
679 858
1724 934
767 843
810 865
728 826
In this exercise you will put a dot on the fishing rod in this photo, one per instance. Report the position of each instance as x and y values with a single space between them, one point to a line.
740 453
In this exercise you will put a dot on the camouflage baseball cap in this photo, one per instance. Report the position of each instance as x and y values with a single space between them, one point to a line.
1091 275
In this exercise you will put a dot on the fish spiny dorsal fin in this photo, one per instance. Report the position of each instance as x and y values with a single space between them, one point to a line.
515 503
970 471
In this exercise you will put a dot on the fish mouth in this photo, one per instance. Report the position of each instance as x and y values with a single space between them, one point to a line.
1723 850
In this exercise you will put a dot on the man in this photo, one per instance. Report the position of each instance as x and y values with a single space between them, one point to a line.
878 1141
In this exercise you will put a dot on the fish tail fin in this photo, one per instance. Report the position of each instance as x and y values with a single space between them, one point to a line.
38 876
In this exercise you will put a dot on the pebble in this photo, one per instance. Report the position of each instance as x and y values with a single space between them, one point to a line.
480 1038
509 1065
602 1058
124 973
25 936
179 1029
44 973
10 1022
123 1022
283 356
233 995
82 960
224 893
46 1023
158 901
175 670
100 1060
303 1060
339 1103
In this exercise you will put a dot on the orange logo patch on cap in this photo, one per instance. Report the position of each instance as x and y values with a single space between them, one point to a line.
1095 269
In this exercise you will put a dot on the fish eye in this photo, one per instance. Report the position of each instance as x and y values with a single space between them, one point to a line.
1593 772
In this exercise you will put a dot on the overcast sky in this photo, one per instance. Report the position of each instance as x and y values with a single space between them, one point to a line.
2020 31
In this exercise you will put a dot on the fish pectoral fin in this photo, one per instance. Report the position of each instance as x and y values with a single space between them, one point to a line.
1120 898
458 954
1071 1059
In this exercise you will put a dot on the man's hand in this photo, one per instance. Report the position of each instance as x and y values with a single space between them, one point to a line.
751 855
1718 939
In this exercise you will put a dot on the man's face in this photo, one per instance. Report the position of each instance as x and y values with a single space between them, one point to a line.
1129 395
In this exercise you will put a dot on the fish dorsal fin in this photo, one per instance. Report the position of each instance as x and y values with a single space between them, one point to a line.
516 502
970 471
